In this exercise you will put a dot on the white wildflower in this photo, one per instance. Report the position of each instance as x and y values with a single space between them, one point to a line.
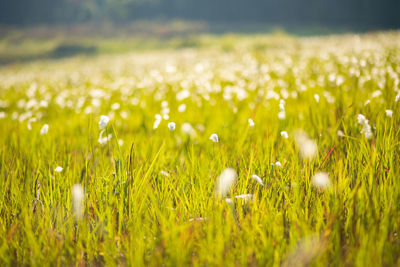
278 164
58 169
316 97
44 129
214 138
389 113
308 147
77 200
284 134
321 180
103 121
225 181
171 126
258 179
251 122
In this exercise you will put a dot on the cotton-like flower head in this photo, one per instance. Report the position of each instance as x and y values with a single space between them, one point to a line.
389 113
103 121
282 115
78 196
58 169
316 97
321 180
258 179
360 119
44 129
187 129
308 148
340 133
164 173
182 108
103 140
214 138
225 182
30 122
284 134
251 122
171 126
278 164
367 130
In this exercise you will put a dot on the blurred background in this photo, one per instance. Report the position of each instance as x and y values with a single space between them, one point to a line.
31 29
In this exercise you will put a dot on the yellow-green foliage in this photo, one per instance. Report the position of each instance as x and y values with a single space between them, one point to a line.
149 193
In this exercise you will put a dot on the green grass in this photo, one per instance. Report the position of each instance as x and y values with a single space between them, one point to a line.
136 215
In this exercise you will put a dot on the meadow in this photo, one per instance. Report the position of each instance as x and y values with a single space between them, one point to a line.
236 150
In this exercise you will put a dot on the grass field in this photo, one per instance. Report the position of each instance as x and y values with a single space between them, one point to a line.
112 181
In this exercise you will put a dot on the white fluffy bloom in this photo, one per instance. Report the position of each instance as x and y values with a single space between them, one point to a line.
389 113
316 97
367 130
187 129
58 169
225 181
282 115
278 164
103 140
397 97
308 147
44 129
171 126
103 121
78 196
251 122
284 134
340 133
214 138
182 108
360 119
164 173
321 180
29 124
258 179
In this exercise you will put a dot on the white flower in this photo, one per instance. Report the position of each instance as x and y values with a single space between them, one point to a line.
214 138
367 130
164 173
115 106
44 129
284 134
182 108
225 181
278 164
171 126
367 102
187 129
258 179
77 200
316 97
103 140
321 180
251 122
58 169
340 133
397 97
389 113
360 119
30 122
282 115
103 121
308 148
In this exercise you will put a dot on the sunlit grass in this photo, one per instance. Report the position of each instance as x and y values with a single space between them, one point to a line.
329 193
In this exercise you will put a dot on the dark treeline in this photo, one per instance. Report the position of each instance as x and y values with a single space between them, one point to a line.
372 14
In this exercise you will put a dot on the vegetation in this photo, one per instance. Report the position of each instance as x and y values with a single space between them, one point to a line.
303 167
